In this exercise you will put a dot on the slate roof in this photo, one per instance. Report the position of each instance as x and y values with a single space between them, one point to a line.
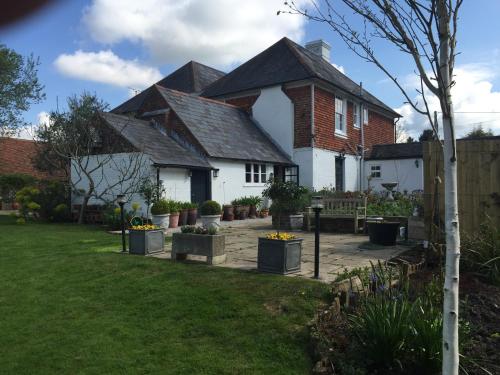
397 151
286 61
192 77
223 130
162 149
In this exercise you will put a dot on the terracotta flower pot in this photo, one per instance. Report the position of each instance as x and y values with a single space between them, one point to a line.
244 212
264 213
252 214
174 220
183 217
228 213
192 216
237 212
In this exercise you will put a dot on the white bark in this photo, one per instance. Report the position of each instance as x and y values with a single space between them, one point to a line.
451 296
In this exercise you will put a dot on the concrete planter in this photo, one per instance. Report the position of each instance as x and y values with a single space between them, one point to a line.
213 247
144 242
277 256
208 221
289 222
161 220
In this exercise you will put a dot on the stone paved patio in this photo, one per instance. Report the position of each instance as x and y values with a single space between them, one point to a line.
337 251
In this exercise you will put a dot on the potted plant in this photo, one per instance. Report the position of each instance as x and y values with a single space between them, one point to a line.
237 209
174 214
192 213
160 213
288 202
199 241
264 212
183 213
254 201
281 252
146 239
210 214
228 214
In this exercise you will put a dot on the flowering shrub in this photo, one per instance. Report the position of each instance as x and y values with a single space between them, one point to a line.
280 236
145 227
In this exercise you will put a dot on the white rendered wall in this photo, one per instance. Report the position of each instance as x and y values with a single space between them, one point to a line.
113 169
273 110
177 184
176 181
303 157
324 170
403 171
230 184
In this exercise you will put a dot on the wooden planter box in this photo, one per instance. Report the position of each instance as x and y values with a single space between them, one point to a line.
277 256
213 247
145 242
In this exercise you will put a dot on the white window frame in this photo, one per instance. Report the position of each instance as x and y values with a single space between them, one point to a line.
365 116
356 115
376 169
340 113
258 173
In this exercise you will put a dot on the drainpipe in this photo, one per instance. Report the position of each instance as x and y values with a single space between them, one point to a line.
313 134
362 126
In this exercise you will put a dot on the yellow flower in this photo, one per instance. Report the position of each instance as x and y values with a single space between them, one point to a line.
282 236
144 227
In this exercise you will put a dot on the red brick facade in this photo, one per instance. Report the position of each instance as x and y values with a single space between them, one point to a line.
245 102
301 99
380 129
16 157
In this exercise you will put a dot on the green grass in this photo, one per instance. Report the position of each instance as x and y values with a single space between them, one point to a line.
69 304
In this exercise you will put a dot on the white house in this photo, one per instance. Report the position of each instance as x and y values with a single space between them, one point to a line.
400 162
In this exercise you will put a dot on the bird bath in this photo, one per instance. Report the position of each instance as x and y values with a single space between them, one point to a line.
389 186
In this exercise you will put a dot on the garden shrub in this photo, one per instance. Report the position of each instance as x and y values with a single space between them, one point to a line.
54 194
210 208
480 252
188 229
27 197
288 198
11 183
160 207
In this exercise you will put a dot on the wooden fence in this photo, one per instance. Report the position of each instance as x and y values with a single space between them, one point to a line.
478 180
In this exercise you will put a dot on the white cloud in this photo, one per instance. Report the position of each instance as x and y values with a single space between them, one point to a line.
28 132
106 67
218 32
473 92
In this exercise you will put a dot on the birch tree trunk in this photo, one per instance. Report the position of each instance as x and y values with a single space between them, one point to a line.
451 283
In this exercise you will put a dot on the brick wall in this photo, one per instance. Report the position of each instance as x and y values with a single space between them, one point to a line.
246 102
16 157
301 99
379 130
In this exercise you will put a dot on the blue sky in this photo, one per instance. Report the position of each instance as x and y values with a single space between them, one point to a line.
108 47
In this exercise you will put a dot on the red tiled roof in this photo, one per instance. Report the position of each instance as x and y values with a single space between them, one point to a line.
16 157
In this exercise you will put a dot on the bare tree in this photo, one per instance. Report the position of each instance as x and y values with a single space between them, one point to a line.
424 30
98 162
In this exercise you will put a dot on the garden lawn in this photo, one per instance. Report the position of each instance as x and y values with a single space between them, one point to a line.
70 304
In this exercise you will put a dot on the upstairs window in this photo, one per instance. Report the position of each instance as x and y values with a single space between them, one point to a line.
376 171
365 116
255 173
340 112
356 115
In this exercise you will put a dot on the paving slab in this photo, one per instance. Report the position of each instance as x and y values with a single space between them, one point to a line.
337 251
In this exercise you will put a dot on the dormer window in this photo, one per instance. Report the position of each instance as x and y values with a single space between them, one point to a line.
340 115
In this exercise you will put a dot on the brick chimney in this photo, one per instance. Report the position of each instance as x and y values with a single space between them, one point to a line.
320 48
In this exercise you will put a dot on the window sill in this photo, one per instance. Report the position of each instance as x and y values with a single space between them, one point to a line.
254 184
340 134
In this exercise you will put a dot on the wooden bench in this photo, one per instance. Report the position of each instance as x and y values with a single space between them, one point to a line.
339 208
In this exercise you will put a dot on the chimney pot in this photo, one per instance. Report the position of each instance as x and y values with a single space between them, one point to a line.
320 48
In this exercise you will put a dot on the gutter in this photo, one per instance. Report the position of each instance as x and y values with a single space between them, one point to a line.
362 126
